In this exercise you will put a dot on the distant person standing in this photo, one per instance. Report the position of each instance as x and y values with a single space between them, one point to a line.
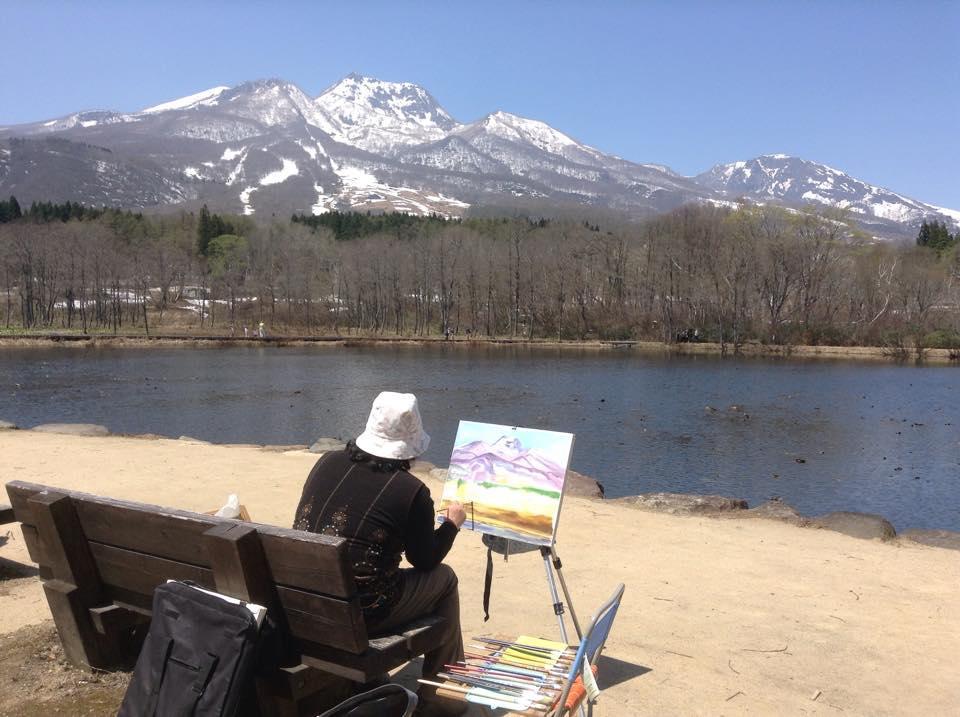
261 332
246 332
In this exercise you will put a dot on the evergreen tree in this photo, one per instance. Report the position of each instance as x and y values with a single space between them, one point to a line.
205 231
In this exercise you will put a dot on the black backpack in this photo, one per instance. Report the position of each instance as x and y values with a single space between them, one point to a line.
385 701
198 658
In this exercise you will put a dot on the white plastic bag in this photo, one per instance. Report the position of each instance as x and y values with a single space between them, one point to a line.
231 509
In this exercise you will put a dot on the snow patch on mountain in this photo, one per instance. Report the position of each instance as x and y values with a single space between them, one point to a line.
359 188
229 154
206 98
324 203
951 213
289 169
238 169
245 200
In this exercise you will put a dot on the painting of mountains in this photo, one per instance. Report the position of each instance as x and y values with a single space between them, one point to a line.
509 479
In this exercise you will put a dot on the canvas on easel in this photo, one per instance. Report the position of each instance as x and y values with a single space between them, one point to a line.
510 478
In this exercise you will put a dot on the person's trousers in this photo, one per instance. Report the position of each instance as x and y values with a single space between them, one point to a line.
430 592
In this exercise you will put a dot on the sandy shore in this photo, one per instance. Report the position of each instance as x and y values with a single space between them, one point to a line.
720 616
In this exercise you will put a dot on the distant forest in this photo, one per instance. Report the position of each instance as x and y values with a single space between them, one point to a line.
699 273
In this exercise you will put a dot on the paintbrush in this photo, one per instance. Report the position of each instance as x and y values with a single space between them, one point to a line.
517 693
521 705
503 666
514 673
523 646
506 678
520 654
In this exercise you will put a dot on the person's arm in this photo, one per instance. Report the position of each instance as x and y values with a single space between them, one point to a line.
425 547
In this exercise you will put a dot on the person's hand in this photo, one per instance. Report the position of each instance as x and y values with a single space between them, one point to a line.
456 514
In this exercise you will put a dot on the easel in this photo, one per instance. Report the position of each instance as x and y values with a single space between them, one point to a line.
553 566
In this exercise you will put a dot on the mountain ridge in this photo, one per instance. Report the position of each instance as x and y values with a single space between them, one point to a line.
367 144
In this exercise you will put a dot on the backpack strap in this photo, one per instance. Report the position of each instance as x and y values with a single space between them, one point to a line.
164 649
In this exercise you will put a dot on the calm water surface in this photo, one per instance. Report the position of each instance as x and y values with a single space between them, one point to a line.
822 435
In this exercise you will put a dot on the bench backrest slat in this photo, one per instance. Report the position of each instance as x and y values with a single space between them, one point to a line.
136 547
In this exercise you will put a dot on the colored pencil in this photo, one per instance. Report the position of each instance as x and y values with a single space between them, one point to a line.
506 660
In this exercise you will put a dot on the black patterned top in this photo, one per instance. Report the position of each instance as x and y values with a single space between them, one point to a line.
382 513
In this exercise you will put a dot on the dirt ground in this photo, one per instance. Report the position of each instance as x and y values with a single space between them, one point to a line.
720 617
37 681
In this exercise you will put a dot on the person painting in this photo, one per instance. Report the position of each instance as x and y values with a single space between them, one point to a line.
366 494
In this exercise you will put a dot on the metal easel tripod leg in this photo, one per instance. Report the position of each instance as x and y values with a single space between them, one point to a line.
552 565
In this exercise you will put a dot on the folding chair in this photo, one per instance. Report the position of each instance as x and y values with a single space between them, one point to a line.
588 652
385 701
591 645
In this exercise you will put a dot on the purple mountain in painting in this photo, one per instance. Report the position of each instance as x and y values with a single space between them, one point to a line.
507 456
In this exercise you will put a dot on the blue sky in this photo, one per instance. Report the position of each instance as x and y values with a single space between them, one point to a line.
872 88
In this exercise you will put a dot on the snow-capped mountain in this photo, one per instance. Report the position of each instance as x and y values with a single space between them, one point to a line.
793 181
378 116
267 147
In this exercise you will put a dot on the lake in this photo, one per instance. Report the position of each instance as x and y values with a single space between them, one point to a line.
822 435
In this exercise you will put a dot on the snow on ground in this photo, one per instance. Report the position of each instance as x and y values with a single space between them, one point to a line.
192 172
207 97
281 175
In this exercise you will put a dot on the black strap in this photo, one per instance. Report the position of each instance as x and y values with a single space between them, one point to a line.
207 664
487 584
165 649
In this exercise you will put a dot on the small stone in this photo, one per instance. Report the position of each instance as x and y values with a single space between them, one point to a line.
73 429
325 445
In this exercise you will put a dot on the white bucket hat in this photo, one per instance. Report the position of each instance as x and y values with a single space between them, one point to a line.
394 429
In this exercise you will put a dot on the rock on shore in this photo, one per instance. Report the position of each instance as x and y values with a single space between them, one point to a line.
683 503
857 525
73 429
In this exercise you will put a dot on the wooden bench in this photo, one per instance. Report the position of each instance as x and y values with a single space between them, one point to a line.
100 560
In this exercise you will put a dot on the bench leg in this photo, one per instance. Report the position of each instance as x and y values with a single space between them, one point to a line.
75 584
300 691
